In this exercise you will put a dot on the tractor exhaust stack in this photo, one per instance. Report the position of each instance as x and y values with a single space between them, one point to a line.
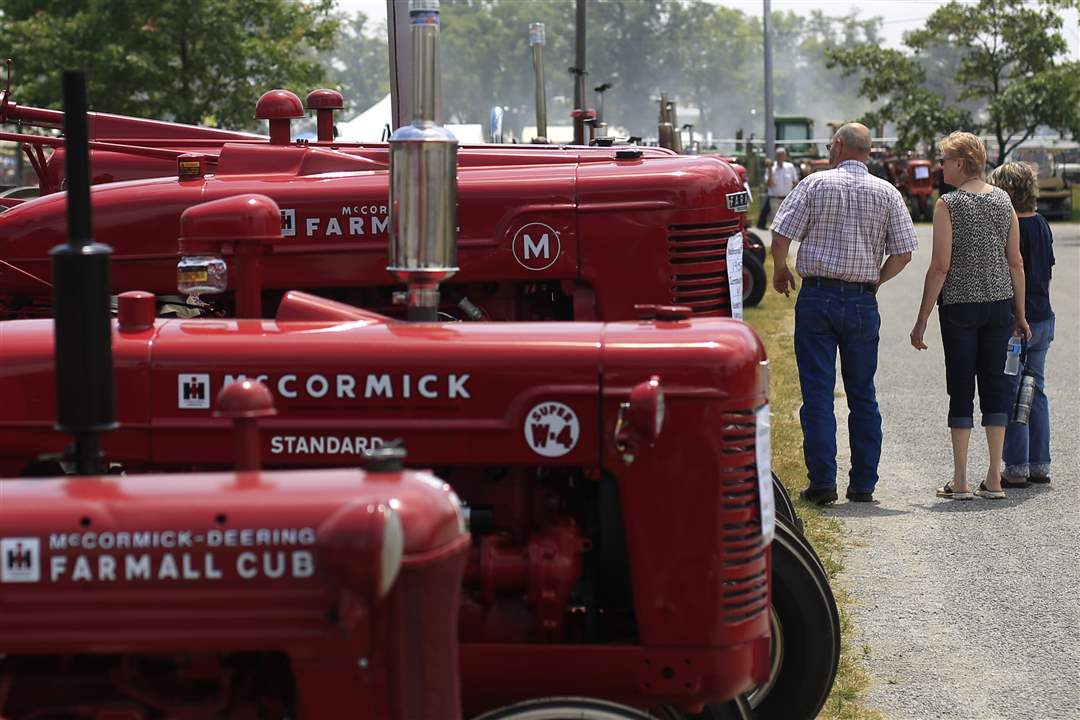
423 179
83 325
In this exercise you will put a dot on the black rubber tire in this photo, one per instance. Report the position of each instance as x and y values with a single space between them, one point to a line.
921 208
810 632
754 280
737 708
564 708
785 508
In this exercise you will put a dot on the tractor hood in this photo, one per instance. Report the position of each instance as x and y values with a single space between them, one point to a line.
453 392
606 221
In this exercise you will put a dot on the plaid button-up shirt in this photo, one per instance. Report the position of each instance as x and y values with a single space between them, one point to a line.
846 220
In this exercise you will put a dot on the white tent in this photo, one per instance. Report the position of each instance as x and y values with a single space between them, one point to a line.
370 126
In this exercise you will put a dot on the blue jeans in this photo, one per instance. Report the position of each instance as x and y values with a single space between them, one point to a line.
1027 447
975 337
826 320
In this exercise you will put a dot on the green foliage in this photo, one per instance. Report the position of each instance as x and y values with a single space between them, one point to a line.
359 64
1004 64
699 53
194 61
896 81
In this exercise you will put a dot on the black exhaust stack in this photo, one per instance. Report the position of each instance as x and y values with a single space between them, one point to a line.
83 327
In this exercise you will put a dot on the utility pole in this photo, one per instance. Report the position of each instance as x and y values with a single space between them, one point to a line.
579 74
400 46
770 124
536 42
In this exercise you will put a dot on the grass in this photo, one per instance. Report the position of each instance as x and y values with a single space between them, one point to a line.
773 320
1076 202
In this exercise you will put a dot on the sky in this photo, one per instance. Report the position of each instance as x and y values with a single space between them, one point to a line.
897 15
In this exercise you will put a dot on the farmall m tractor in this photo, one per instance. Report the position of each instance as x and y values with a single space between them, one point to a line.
551 233
244 595
581 235
611 472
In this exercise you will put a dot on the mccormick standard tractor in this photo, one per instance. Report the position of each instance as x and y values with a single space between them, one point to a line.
314 594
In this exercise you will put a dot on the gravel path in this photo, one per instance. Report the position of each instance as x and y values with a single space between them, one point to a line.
967 609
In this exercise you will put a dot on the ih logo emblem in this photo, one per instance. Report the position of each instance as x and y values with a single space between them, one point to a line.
552 429
288 223
194 392
20 560
536 246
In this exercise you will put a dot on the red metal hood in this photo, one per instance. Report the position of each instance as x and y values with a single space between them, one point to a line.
454 392
606 222
233 561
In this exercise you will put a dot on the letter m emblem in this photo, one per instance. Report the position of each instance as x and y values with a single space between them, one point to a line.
541 248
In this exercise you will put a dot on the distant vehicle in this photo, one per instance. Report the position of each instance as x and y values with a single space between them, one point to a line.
1055 189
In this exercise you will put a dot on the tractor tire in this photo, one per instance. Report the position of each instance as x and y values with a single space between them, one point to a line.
806 633
754 280
918 207
564 708
785 508
737 708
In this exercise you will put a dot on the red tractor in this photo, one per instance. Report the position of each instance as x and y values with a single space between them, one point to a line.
315 594
913 177
550 233
231 596
615 475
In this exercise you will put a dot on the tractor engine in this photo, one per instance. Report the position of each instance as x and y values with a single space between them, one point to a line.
615 476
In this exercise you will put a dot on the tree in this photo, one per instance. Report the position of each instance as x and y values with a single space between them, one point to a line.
359 64
897 82
193 61
1007 67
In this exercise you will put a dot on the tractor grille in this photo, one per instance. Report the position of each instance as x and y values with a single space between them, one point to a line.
746 585
697 255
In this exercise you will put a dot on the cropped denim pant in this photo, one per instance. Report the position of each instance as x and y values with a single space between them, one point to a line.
1027 447
975 337
828 319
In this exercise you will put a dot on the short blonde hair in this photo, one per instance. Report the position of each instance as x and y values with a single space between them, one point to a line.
1018 179
965 146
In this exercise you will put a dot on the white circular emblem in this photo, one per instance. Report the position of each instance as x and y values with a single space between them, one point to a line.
536 246
552 429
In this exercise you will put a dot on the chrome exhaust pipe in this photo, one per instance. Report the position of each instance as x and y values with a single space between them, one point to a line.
423 179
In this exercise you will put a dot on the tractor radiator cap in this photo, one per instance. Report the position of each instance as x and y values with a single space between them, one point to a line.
135 311
388 458
664 313
245 399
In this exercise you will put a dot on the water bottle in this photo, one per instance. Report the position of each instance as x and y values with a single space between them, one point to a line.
1022 409
1012 356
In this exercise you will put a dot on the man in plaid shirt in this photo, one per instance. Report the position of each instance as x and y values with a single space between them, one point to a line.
847 222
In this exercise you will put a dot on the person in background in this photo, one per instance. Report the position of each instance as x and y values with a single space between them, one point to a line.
976 276
780 178
1027 446
847 222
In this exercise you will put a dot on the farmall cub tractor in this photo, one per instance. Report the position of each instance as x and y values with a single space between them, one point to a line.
615 492
241 595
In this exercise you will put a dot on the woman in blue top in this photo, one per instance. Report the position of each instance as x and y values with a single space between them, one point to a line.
1027 447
